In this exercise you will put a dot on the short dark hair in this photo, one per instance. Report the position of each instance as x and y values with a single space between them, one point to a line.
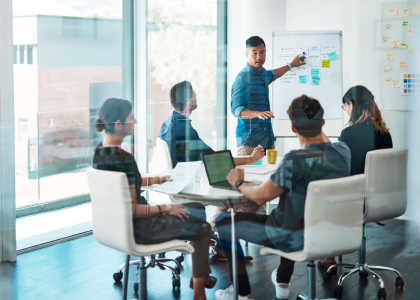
111 111
180 94
306 115
254 41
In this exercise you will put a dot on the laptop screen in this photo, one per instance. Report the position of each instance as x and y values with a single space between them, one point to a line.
218 166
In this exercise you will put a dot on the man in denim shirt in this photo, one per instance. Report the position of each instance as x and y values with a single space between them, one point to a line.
249 100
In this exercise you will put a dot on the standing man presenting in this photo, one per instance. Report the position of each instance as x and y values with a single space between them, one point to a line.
249 100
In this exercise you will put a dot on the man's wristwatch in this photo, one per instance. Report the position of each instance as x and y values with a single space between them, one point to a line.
290 66
238 183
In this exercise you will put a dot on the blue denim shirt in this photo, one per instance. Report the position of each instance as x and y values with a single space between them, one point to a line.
250 90
183 140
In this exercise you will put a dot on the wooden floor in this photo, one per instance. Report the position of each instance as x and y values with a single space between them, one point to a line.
82 269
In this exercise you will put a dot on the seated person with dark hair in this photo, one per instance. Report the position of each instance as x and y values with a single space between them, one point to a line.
185 144
283 229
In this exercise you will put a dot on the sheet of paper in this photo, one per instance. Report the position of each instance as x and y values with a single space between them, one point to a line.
403 64
333 55
303 79
386 67
388 80
406 12
411 31
395 83
393 11
403 45
326 63
410 51
395 44
405 23
258 170
416 10
386 37
316 80
389 25
314 72
181 176
389 56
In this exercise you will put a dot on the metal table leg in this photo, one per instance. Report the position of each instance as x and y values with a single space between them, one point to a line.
234 262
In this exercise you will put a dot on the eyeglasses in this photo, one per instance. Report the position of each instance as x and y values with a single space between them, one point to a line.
343 107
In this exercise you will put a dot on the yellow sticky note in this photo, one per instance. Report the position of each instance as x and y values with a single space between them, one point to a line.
395 83
389 25
386 37
388 80
395 44
405 23
403 45
411 31
416 10
406 12
410 51
326 63
393 11
403 64
389 56
386 67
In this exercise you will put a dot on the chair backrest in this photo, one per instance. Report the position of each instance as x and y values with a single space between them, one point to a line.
386 184
111 209
165 160
126 147
334 216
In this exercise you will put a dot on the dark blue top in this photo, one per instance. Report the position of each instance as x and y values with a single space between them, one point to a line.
183 140
250 90
285 224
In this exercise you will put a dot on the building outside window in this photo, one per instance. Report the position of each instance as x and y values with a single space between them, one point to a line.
15 55
21 55
29 55
23 129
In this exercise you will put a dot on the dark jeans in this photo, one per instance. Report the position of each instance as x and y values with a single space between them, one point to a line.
159 229
249 227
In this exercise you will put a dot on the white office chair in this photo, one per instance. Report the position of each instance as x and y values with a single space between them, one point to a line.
165 160
113 227
125 147
333 224
385 198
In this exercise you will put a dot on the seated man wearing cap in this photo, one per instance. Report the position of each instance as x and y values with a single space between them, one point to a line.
283 229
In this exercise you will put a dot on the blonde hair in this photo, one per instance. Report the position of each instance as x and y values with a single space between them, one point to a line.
374 116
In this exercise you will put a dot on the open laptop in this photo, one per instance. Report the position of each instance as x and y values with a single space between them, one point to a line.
218 166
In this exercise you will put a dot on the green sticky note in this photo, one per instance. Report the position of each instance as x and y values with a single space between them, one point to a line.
303 79
314 72
316 80
326 63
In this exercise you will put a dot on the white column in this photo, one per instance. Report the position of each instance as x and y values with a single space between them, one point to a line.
7 143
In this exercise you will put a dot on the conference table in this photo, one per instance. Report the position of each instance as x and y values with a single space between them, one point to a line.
199 190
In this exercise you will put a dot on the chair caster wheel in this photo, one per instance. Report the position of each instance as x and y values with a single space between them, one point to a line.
118 276
363 274
179 259
399 282
381 294
327 277
178 270
213 259
338 291
162 255
176 283
136 287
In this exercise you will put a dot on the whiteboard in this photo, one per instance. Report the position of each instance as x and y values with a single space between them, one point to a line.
319 48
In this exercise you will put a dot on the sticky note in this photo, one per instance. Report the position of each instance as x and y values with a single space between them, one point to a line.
395 44
416 10
403 45
388 80
316 80
395 83
303 79
333 55
410 51
389 56
393 11
406 12
386 67
405 23
403 64
386 37
389 25
410 31
326 63
314 72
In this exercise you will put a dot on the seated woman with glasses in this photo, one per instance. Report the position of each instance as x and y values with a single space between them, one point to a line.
159 223
367 131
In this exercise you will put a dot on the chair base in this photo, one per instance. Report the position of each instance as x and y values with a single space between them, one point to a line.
310 284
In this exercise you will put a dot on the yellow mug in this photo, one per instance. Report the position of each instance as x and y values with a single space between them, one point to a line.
271 156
